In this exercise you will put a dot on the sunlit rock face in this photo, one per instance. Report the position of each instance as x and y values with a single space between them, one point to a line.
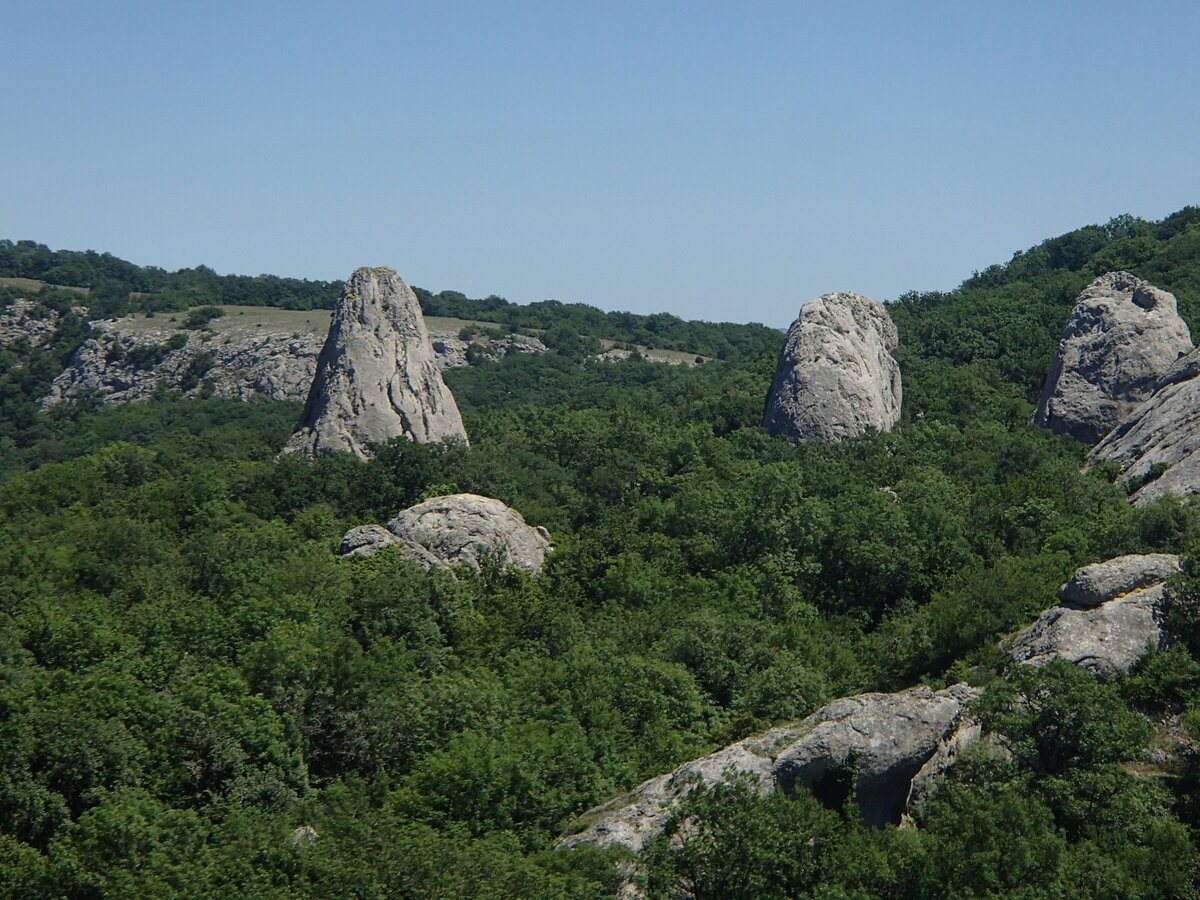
377 376
837 375
1123 335
456 529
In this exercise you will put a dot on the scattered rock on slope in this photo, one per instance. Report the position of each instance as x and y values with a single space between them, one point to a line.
116 367
376 377
1157 446
887 738
1111 612
1122 336
837 376
457 529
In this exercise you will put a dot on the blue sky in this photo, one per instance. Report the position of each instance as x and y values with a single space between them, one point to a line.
725 161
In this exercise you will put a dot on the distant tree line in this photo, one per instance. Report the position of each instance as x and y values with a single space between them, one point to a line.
116 287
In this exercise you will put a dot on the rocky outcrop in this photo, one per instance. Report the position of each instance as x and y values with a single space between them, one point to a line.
117 367
1157 446
376 376
457 529
453 352
25 319
885 739
837 376
1122 336
1104 581
1111 613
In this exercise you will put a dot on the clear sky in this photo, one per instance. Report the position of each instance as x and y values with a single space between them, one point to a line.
724 161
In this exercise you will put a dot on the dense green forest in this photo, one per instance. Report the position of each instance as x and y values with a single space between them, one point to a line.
189 672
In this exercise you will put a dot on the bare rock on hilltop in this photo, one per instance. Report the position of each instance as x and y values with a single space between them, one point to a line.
377 377
1123 335
456 529
837 376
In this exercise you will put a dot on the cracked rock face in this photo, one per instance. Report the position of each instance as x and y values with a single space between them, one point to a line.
1157 446
107 367
1111 613
887 738
837 376
1123 335
457 529
377 375
1104 581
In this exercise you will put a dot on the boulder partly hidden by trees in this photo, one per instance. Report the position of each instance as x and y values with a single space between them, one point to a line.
1123 335
875 743
837 375
377 375
1110 613
457 529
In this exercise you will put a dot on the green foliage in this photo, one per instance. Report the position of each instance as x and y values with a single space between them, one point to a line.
189 671
201 316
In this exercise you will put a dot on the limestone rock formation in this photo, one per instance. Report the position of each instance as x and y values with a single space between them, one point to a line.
25 319
837 376
453 352
1112 612
118 367
886 737
376 376
1122 336
1100 582
457 529
1157 446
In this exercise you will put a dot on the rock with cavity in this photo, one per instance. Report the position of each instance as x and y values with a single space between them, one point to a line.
881 741
377 377
837 376
457 529
1123 335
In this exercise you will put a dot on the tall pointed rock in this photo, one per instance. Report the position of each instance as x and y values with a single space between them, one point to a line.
376 377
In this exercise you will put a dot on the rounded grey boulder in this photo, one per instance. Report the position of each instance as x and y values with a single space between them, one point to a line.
1122 336
837 375
886 738
456 529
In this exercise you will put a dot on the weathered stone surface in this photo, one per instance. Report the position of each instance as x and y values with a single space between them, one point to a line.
837 376
457 529
1157 446
26 319
1123 335
107 366
376 378
968 732
887 738
1106 640
1104 581
633 820
452 351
